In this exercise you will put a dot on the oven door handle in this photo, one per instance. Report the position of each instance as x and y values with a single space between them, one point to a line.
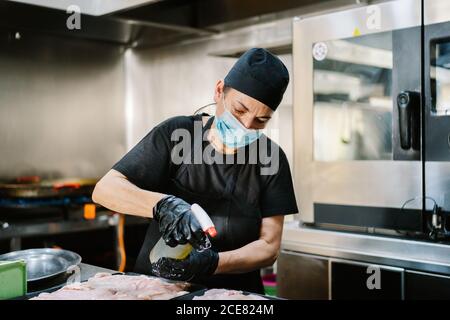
408 104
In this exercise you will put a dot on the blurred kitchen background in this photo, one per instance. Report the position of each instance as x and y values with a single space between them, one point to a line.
72 102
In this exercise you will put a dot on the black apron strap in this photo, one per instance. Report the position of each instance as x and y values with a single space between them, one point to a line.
231 185
208 123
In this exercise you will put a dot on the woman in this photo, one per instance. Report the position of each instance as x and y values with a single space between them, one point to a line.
245 193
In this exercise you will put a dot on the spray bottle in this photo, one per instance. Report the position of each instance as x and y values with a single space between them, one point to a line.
161 249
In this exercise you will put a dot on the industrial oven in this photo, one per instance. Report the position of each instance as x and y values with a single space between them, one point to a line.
372 117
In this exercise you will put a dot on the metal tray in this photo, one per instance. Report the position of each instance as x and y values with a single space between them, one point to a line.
192 288
190 296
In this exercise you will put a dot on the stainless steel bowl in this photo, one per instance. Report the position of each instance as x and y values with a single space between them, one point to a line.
44 263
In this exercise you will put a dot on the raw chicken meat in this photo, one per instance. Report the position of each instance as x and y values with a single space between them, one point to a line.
224 294
83 293
105 286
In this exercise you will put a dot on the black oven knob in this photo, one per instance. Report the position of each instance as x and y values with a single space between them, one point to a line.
403 99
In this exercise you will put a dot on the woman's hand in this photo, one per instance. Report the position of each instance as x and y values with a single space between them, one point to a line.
178 224
255 255
202 263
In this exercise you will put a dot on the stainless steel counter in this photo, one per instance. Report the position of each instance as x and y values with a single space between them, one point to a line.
415 255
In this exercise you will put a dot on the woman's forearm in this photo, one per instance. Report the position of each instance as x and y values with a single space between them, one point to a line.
255 255
118 194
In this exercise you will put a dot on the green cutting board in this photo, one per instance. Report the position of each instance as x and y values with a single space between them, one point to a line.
13 279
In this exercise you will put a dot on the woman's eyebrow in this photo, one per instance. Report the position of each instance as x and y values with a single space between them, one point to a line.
243 105
261 117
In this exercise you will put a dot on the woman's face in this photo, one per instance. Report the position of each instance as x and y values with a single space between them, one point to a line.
249 111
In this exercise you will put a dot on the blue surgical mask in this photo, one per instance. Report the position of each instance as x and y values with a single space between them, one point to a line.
232 132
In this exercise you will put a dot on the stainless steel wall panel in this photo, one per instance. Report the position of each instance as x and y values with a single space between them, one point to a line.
61 107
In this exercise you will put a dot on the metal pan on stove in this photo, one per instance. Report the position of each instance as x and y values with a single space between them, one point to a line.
44 263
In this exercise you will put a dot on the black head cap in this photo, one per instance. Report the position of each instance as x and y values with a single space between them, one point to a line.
261 75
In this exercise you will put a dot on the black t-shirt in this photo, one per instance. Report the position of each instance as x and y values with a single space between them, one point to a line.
150 166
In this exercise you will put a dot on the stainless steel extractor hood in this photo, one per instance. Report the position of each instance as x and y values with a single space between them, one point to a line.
155 23
91 7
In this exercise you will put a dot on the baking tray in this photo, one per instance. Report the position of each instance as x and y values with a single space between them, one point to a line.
192 288
190 296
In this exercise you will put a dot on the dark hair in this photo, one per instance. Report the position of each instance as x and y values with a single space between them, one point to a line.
226 89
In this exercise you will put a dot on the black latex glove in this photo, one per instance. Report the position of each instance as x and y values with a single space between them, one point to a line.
202 263
178 224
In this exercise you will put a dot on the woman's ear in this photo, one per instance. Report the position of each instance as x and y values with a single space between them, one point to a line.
218 91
